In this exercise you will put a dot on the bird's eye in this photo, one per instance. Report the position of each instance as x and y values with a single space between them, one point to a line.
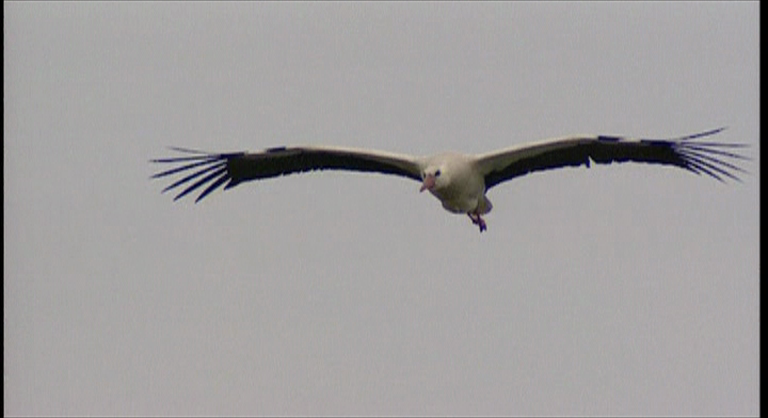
437 173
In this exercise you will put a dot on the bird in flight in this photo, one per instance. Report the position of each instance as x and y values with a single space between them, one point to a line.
459 181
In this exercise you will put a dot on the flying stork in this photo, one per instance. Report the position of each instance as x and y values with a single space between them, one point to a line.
459 181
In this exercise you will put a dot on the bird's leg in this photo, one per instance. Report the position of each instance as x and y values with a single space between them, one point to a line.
477 220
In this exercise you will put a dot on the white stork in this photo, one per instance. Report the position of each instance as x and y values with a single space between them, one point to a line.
459 181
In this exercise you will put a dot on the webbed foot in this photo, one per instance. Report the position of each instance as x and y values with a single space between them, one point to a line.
477 220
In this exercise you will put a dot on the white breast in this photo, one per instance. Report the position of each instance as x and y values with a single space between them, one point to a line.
461 187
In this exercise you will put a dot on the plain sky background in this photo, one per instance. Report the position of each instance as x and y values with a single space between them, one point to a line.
622 289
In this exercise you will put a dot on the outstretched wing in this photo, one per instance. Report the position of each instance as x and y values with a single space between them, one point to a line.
712 158
209 171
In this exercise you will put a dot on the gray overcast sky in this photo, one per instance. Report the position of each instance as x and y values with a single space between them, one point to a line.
628 289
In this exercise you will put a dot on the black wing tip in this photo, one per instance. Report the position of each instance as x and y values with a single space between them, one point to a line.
711 132
702 134
208 170
711 158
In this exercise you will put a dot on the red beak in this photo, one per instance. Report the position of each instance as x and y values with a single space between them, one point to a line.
429 183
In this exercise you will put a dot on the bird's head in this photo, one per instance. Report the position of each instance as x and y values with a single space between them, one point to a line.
434 178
